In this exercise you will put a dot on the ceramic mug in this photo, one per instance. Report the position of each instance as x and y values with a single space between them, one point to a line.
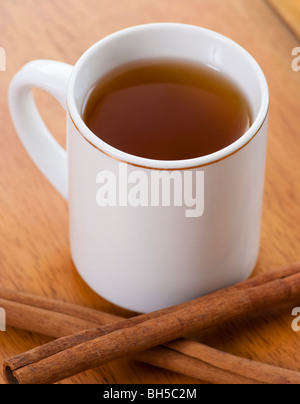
142 257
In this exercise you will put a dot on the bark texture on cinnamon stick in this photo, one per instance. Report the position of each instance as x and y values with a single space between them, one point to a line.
56 319
23 314
70 355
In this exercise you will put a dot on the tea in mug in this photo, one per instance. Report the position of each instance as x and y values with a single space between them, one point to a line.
167 110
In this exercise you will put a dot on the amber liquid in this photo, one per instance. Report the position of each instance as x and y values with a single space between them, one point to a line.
167 110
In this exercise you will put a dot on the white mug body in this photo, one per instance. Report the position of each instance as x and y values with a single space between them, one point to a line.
147 257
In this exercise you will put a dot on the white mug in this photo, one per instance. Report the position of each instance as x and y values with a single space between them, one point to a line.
143 257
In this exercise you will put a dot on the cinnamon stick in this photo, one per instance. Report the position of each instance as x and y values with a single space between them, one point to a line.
70 355
56 319
50 322
32 318
231 369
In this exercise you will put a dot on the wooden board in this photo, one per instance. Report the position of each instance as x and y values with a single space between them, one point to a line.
34 244
289 11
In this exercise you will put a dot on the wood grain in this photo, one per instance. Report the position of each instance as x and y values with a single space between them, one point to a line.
289 11
34 245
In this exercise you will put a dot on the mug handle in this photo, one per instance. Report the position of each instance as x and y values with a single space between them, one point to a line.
48 155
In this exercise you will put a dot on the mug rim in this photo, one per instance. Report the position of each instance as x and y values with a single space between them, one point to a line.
144 162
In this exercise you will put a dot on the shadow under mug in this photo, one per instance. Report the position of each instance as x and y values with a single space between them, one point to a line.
145 258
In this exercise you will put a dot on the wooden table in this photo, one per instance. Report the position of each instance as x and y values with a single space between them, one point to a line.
34 244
